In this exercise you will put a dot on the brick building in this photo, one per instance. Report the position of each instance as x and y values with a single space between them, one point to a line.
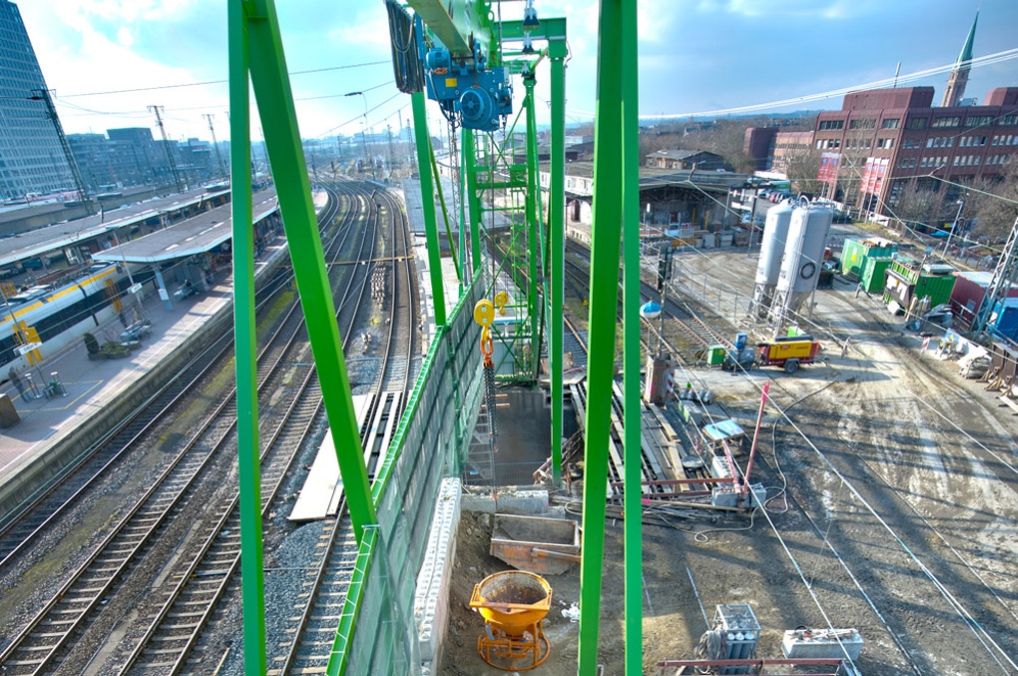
883 140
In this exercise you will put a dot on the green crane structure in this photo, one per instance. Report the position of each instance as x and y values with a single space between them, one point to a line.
503 202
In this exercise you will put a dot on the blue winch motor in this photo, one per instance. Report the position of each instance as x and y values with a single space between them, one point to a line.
480 97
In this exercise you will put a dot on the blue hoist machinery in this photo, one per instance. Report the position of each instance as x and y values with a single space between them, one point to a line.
453 54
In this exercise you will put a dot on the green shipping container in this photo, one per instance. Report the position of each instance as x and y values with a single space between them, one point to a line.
874 274
937 287
855 253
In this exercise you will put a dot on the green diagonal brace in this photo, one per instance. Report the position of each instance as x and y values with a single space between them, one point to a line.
282 141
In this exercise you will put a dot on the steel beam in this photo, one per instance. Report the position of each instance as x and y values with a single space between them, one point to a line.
556 253
533 239
248 470
423 139
632 443
473 197
604 295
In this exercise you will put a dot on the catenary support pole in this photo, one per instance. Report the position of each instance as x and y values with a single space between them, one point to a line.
556 208
633 531
271 86
252 564
604 296
428 203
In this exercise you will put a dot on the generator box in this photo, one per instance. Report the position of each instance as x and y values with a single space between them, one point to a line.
788 349
822 643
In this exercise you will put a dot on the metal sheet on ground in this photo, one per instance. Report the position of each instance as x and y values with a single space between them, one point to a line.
323 478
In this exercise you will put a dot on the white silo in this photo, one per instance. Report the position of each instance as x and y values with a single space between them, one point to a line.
772 248
804 256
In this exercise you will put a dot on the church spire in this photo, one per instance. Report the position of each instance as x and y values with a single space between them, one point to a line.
960 74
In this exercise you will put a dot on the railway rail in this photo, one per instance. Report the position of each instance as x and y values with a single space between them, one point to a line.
41 645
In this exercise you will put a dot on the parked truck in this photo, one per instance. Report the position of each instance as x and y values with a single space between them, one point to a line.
788 352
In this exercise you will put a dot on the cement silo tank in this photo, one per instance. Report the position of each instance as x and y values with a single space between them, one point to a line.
804 254
772 248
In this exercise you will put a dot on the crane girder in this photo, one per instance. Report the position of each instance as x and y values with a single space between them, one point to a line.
457 21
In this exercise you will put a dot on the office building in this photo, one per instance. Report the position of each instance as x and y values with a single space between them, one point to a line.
32 160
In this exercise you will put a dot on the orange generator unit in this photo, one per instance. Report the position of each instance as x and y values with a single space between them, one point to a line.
788 352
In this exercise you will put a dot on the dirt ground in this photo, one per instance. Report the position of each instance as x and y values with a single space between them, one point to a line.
892 507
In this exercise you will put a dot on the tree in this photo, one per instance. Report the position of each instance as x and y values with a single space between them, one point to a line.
996 211
917 204
803 168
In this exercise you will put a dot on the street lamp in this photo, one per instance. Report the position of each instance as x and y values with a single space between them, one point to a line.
364 134
957 217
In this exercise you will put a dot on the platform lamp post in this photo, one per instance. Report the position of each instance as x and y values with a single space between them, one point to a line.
364 134
954 226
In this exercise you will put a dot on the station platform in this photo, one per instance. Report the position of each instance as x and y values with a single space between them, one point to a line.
91 386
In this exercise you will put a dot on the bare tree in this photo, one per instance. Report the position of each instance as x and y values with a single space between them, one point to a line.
994 205
803 168
917 205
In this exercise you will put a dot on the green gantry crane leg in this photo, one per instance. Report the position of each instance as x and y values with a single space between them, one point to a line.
632 416
616 172
256 49
252 564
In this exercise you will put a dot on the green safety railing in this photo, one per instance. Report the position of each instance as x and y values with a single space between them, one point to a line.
377 632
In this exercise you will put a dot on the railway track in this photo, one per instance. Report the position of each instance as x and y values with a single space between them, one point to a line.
36 516
176 628
42 643
326 583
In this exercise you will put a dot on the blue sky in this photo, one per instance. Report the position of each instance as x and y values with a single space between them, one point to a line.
696 55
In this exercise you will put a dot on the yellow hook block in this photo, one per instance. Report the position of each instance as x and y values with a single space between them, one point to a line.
501 300
484 312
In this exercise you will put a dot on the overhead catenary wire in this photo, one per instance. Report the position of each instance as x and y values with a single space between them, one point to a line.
989 59
217 82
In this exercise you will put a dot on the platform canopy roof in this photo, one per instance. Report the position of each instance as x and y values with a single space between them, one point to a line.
196 235
32 243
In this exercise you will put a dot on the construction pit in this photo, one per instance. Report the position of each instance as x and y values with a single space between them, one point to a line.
886 475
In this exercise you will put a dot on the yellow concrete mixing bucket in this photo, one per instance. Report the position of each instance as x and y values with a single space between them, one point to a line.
513 604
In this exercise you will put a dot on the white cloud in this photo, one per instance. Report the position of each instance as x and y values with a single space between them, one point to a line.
124 36
827 9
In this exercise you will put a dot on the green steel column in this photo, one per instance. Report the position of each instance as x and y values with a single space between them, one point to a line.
445 212
248 474
533 241
461 231
473 198
604 296
428 202
286 156
556 206
632 494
